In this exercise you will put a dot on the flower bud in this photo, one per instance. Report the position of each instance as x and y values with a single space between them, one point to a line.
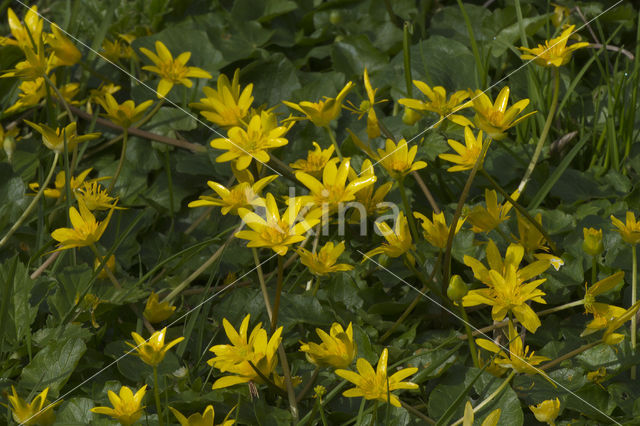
592 244
109 264
9 146
457 288
335 17
410 116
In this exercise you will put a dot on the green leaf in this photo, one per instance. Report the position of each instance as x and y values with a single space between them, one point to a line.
352 54
53 365
17 314
72 283
76 411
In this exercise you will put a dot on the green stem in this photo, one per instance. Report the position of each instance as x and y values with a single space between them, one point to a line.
490 397
334 141
634 296
446 270
156 394
123 154
520 209
594 270
569 355
470 340
316 286
545 131
474 46
263 285
149 115
406 53
33 203
361 412
276 303
407 210
402 317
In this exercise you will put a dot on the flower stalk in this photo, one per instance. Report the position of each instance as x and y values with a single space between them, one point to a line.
33 203
490 397
276 302
472 344
334 141
156 394
634 296
545 131
123 154
407 209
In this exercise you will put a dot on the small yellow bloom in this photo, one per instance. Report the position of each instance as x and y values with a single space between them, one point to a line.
95 197
372 201
118 49
398 159
324 262
487 219
436 232
126 407
35 64
38 412
59 183
491 420
124 114
23 34
54 138
376 384
197 419
603 313
366 107
610 337
256 348
65 53
439 104
315 162
153 350
399 240
518 358
468 153
528 235
337 349
86 229
592 244
171 71
553 52
547 411
323 112
227 106
277 232
629 231
156 311
242 145
597 376
34 91
334 189
495 119
110 265
244 194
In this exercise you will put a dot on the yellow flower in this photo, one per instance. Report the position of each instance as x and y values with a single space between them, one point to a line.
153 350
95 197
529 236
597 376
171 71
244 145
436 232
227 106
86 229
547 411
315 162
486 219
439 104
592 243
366 107
54 139
610 337
506 287
256 348
197 419
494 119
372 202
34 91
65 53
629 231
124 114
244 194
602 312
467 154
35 65
23 34
333 190
32 413
156 311
323 112
324 262
518 359
399 240
110 265
118 49
553 52
126 407
337 349
277 232
376 384
491 420
60 182
398 159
